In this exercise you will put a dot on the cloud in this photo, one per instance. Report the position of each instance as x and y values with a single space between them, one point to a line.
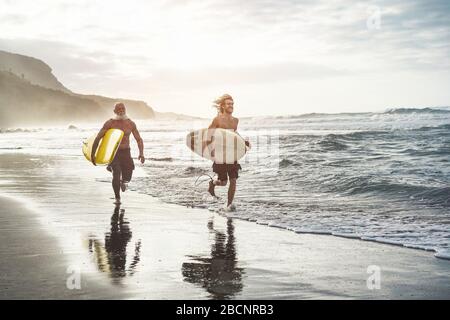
73 64
13 19
63 57
249 75
412 34
177 46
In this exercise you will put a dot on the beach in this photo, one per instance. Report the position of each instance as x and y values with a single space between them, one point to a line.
58 220
326 174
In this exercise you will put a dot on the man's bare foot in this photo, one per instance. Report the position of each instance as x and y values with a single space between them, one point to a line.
211 188
230 208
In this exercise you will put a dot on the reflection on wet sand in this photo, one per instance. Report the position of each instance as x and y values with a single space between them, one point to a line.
218 274
112 255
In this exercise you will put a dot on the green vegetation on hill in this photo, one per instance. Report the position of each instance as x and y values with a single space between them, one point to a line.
31 95
23 103
32 69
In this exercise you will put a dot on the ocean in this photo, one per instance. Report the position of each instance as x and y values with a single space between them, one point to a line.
381 177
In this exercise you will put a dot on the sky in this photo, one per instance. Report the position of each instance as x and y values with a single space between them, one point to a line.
275 57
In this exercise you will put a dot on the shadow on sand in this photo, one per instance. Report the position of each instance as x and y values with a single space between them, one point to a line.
111 257
218 274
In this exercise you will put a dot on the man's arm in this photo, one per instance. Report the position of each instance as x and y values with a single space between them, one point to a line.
100 135
209 134
247 142
213 124
140 143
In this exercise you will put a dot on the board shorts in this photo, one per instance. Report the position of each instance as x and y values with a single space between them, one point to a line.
123 163
225 171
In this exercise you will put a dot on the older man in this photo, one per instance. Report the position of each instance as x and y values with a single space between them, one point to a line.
122 166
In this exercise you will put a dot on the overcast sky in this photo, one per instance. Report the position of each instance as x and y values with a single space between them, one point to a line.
274 56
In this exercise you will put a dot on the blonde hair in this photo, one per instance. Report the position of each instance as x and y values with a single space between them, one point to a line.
219 103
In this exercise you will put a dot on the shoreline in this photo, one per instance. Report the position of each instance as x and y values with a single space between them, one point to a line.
435 253
193 253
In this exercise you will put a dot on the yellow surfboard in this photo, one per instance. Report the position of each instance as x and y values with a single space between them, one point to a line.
107 146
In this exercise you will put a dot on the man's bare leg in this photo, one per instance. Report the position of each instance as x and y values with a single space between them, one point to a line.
231 191
213 184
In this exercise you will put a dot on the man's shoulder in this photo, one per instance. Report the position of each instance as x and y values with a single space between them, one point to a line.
108 123
132 123
216 119
221 116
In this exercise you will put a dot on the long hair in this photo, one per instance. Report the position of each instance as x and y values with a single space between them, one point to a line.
219 103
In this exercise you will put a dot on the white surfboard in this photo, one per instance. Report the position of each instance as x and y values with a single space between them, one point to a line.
219 145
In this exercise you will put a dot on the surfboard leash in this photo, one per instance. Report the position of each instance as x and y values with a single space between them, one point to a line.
196 180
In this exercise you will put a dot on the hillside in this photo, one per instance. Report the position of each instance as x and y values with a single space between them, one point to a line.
31 95
31 69
23 103
135 109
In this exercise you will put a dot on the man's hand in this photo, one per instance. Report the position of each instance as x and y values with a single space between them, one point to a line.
247 143
142 158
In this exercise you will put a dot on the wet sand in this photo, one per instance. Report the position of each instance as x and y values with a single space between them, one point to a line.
33 266
57 214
